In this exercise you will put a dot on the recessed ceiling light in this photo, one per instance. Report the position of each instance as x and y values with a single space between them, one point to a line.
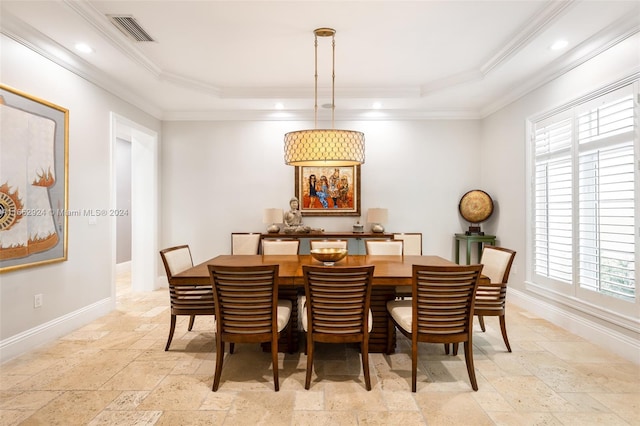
83 47
376 105
560 44
279 105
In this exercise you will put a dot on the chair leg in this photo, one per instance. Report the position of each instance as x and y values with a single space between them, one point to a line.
172 328
414 365
307 382
191 321
446 349
364 348
274 360
481 320
455 349
468 357
503 327
219 360
232 346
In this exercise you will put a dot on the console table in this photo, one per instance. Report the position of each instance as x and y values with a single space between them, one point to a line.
471 239
355 240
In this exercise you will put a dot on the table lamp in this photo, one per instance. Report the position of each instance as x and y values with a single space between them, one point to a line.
377 217
273 217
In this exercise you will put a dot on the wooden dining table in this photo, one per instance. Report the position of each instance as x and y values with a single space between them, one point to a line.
389 272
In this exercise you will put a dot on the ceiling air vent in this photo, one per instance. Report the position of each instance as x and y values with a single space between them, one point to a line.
130 27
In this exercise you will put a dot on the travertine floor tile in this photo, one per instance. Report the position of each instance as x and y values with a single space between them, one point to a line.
115 371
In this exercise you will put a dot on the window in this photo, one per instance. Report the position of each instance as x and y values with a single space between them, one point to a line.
582 199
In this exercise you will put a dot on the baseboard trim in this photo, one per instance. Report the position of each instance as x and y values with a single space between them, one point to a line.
596 333
48 332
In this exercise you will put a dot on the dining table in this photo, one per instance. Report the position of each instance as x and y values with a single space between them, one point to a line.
389 272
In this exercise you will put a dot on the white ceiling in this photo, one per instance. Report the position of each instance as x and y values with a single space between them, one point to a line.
236 59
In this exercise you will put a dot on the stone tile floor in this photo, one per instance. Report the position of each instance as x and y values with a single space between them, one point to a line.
115 371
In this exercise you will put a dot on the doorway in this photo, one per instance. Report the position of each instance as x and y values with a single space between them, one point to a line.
144 201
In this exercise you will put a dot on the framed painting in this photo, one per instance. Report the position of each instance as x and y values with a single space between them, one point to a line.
328 191
34 169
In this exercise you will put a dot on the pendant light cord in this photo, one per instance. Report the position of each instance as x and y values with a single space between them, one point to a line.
333 81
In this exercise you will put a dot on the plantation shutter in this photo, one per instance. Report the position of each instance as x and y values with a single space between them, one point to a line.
553 199
606 186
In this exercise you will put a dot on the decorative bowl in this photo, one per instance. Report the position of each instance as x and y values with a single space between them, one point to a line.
329 255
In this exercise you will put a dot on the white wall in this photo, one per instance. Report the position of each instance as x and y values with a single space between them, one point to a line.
504 177
217 177
79 289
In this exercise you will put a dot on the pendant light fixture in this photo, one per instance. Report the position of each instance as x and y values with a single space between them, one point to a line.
324 147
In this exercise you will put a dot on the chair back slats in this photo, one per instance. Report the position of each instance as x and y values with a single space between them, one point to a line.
246 299
247 310
185 298
338 299
443 299
491 297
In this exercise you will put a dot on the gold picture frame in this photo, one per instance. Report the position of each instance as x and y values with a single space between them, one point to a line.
34 180
337 190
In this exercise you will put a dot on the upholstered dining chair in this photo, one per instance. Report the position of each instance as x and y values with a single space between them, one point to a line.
439 311
384 247
186 299
412 246
248 310
273 246
245 243
412 243
320 244
491 297
337 310
389 247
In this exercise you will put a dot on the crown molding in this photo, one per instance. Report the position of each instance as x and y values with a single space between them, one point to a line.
551 11
39 43
615 33
350 115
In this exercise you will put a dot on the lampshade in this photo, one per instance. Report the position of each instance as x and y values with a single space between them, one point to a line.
324 147
271 216
377 215
327 147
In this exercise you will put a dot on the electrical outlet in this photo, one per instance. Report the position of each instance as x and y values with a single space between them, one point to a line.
37 300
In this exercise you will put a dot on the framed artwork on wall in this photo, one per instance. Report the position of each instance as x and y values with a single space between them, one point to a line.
34 169
328 191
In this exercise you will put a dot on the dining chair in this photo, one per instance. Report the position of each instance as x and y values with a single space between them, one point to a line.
337 310
412 246
186 299
245 243
491 296
389 247
326 243
284 247
248 310
412 243
386 247
440 311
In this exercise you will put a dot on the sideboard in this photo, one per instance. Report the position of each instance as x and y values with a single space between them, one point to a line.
355 240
